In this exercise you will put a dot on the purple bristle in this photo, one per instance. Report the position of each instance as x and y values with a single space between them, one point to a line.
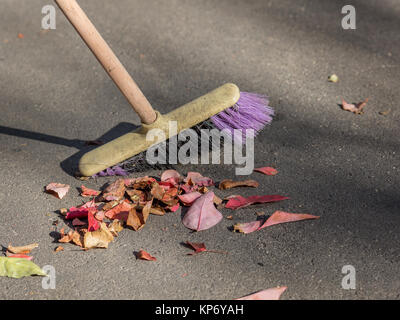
250 112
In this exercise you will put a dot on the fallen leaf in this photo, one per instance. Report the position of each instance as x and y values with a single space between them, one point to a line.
120 211
86 192
74 213
143 255
63 211
136 219
116 227
384 113
276 218
197 247
188 198
58 249
333 78
241 202
18 255
115 191
171 175
78 223
99 238
269 171
59 190
18 268
92 222
202 214
357 109
197 179
20 36
228 184
24 249
268 294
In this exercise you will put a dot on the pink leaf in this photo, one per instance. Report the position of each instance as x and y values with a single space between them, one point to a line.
241 202
269 171
78 223
57 189
188 198
276 218
268 294
172 176
202 214
77 213
284 217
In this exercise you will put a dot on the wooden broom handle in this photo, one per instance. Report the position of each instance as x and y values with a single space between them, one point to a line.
107 58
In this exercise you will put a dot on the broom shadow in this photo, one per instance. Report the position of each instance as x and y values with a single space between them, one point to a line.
70 164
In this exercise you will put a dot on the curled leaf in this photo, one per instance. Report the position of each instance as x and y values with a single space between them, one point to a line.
24 249
115 191
269 171
355 108
99 238
143 255
229 184
59 190
86 192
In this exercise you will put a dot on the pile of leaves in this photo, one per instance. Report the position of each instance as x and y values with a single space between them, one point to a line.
128 203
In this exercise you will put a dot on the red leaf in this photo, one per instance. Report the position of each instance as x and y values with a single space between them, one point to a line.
174 208
240 202
276 218
78 223
18 255
77 213
93 223
197 247
120 211
269 171
57 189
86 192
202 214
268 294
143 255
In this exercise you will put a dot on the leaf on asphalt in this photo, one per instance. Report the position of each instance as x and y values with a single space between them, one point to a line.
99 238
120 211
202 214
137 219
72 236
92 222
195 178
269 171
143 255
276 218
58 249
241 202
355 108
86 192
18 255
115 191
18 268
197 247
228 184
23 249
59 190
268 294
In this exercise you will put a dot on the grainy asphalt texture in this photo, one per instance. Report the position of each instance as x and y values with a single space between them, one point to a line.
332 163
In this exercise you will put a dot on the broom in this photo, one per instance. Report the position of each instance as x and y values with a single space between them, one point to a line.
226 106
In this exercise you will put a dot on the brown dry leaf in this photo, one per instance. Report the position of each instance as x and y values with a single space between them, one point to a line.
137 196
136 219
23 249
115 191
115 227
357 108
157 191
99 238
217 200
384 113
143 255
159 211
58 249
228 184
